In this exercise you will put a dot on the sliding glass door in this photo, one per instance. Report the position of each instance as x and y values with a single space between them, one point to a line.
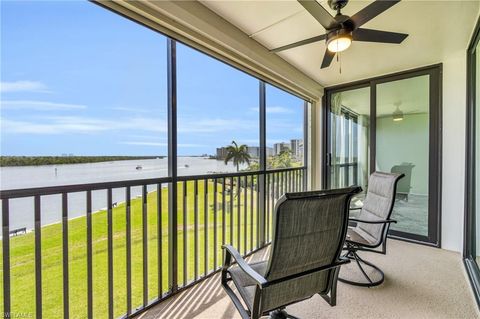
471 251
390 124
402 146
349 147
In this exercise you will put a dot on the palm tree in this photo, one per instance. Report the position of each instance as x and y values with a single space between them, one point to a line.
237 154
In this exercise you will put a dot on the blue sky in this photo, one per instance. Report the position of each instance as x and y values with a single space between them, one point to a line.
79 79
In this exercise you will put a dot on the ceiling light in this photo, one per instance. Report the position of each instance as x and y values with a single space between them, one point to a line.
339 41
398 115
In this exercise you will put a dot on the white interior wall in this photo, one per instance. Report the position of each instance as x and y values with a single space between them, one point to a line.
453 184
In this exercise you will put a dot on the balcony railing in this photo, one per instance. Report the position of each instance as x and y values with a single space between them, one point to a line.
118 261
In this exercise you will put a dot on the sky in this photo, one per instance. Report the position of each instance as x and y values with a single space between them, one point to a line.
79 79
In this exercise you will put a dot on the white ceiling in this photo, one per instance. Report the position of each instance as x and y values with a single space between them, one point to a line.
436 29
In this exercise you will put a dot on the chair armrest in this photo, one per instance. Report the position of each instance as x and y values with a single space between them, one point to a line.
387 221
355 208
341 261
230 251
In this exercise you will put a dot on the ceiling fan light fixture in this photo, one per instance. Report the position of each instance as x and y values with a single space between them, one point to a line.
339 41
397 115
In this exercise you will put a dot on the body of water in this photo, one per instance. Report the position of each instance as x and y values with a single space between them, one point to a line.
18 177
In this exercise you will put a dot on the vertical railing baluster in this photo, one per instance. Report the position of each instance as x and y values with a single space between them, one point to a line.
128 231
252 179
245 212
145 243
110 253
258 211
38 257
195 227
205 211
89 257
304 180
287 181
185 243
239 218
6 256
295 177
299 172
277 186
231 210
215 242
268 198
66 304
159 241
289 178
223 218
272 208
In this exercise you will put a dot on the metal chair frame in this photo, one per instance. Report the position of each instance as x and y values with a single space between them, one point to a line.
352 247
330 293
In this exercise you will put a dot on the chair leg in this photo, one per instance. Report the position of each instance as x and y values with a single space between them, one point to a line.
352 254
281 314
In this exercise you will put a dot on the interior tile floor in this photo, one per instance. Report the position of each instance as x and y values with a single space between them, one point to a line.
420 282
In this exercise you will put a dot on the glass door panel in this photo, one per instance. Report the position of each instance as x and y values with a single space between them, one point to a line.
402 146
476 139
348 141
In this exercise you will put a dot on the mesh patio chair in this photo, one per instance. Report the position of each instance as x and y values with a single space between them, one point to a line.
369 230
309 231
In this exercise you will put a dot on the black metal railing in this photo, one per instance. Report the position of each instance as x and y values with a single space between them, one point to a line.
120 260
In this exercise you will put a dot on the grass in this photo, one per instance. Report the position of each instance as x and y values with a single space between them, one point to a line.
23 254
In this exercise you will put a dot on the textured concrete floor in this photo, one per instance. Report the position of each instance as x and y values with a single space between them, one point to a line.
421 282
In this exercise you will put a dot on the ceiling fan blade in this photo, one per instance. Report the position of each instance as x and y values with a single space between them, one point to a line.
299 43
319 13
327 59
369 35
371 11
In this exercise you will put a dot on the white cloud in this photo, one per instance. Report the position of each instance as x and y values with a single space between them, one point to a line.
157 110
215 125
23 86
39 105
125 124
278 110
274 110
143 143
81 125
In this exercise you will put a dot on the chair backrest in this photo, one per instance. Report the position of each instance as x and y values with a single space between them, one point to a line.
309 229
378 205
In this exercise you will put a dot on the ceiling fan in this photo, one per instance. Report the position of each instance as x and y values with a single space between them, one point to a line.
342 29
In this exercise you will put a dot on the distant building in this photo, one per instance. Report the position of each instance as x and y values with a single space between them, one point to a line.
253 151
296 146
269 151
221 153
280 147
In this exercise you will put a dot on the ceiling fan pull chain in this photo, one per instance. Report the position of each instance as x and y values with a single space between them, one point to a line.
340 58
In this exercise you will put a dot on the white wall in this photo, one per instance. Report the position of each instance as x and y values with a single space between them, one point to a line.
453 186
405 141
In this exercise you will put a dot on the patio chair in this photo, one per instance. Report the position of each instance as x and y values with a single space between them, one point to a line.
305 255
369 230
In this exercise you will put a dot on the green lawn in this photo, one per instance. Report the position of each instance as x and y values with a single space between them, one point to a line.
23 261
